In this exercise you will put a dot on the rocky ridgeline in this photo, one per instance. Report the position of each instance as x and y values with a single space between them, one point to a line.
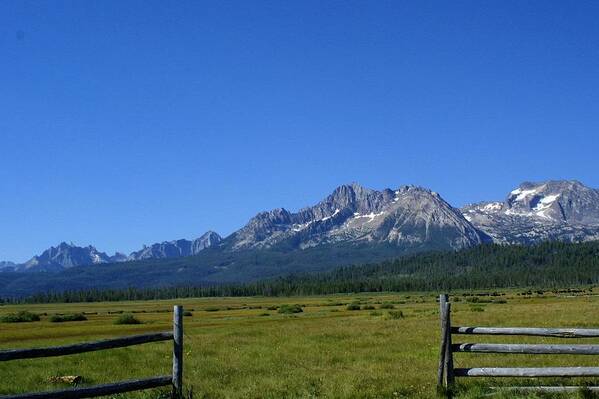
411 218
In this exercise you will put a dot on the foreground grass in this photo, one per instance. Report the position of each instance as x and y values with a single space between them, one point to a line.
239 348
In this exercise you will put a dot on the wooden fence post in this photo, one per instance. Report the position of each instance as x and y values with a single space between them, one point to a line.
440 374
178 351
449 374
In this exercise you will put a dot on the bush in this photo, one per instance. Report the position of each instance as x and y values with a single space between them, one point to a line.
212 309
187 313
477 309
264 314
395 314
67 317
288 309
127 318
21 317
367 307
353 306
376 313
387 305
273 307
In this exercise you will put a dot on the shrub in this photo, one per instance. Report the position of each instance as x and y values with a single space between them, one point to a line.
264 314
67 317
353 306
127 318
288 309
477 309
212 309
273 307
387 305
376 313
20 317
367 307
395 314
187 313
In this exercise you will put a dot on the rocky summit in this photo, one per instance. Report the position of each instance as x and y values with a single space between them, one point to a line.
535 212
64 256
410 217
177 248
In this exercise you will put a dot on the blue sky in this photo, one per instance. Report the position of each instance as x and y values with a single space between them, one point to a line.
124 123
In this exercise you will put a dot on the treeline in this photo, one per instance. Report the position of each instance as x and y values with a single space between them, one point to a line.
547 265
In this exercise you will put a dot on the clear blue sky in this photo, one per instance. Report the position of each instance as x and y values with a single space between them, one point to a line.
131 122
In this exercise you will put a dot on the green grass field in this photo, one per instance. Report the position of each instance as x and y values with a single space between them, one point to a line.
239 348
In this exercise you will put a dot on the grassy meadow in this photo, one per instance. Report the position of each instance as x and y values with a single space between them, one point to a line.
244 348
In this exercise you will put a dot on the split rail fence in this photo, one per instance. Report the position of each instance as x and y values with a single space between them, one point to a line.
175 380
447 373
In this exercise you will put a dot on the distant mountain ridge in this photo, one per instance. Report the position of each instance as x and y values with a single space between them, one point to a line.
6 265
65 256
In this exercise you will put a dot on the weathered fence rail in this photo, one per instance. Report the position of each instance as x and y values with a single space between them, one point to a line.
531 349
447 373
539 332
175 380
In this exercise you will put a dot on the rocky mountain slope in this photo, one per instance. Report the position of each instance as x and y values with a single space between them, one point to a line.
410 217
177 248
64 256
535 212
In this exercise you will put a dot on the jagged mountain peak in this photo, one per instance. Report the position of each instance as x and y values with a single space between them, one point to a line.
177 248
555 201
351 190
409 216
538 211
65 255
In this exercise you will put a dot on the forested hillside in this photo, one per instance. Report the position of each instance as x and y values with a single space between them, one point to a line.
547 265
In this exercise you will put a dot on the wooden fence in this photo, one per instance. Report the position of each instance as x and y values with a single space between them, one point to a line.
175 380
447 373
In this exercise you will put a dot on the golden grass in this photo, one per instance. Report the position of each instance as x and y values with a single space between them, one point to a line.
326 351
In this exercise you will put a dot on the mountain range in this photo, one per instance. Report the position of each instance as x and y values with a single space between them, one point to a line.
65 256
352 224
